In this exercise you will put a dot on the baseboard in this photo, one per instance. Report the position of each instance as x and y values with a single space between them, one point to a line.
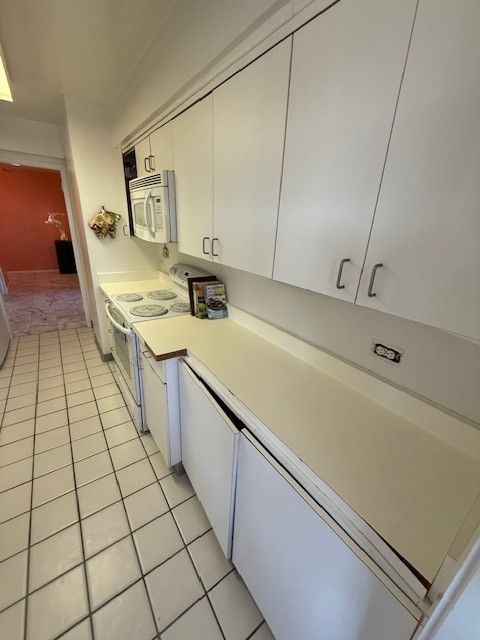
33 271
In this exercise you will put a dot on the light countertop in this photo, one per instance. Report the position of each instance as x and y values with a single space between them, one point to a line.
408 485
111 289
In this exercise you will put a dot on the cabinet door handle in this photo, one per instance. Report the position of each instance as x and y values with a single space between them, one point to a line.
340 271
151 163
203 245
147 166
371 293
215 255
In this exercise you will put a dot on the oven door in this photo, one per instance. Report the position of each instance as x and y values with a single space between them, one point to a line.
124 351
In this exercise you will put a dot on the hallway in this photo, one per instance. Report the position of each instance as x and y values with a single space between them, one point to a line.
98 540
40 301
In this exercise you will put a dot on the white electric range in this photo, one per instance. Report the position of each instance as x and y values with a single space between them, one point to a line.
124 310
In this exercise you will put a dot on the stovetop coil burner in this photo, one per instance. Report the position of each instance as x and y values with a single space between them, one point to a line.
161 294
148 310
180 307
129 297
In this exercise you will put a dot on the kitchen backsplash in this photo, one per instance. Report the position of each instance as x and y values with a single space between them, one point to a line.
439 366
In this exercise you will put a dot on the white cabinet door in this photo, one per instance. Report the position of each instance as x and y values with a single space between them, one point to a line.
209 446
155 406
161 148
307 581
346 71
142 154
426 231
193 156
249 113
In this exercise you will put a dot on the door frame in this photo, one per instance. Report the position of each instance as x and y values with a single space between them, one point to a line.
58 164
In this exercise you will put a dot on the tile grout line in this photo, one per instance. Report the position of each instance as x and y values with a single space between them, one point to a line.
82 542
185 546
129 525
102 509
79 460
8 387
27 585
205 590
170 510
131 531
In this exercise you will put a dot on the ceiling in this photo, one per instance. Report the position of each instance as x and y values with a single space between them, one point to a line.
82 47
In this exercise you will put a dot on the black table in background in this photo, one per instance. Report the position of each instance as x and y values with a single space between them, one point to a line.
65 257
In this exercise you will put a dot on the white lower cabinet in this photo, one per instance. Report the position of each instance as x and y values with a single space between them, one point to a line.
160 405
209 452
304 573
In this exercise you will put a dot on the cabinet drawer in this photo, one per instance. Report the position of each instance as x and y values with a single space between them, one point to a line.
209 453
304 573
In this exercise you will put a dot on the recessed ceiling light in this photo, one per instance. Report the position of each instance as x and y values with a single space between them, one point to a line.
5 92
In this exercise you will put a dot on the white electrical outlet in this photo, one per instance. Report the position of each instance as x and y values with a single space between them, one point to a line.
387 351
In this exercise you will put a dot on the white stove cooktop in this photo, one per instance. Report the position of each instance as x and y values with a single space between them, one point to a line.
167 299
147 305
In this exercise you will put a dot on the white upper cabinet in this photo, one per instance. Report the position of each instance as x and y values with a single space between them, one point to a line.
249 113
426 231
193 156
346 71
161 148
142 156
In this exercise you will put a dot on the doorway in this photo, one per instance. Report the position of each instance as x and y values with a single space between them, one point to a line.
41 286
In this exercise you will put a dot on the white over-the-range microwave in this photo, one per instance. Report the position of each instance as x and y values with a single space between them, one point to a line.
153 207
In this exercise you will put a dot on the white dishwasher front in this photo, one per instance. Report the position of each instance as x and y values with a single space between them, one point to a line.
308 578
209 453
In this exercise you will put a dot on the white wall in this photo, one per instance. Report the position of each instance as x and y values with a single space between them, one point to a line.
96 178
463 620
436 365
195 36
29 136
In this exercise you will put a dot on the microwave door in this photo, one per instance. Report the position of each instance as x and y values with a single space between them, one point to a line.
139 212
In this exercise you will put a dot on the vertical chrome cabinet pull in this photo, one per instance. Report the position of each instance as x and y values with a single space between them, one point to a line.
203 245
151 163
215 255
340 271
371 293
147 168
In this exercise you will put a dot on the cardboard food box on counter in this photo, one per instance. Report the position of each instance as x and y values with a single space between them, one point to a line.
196 294
215 300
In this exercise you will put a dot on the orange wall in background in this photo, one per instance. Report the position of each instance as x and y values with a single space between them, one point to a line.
27 196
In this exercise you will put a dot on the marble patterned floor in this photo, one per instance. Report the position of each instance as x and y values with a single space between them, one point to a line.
98 539
39 301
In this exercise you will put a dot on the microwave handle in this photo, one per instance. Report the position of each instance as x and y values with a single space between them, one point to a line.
148 217
127 332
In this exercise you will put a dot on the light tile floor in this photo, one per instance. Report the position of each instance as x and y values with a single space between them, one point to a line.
97 538
39 301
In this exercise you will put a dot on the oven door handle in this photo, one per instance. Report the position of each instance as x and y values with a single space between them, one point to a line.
127 332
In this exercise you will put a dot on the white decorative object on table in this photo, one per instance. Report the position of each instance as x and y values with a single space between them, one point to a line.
53 220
